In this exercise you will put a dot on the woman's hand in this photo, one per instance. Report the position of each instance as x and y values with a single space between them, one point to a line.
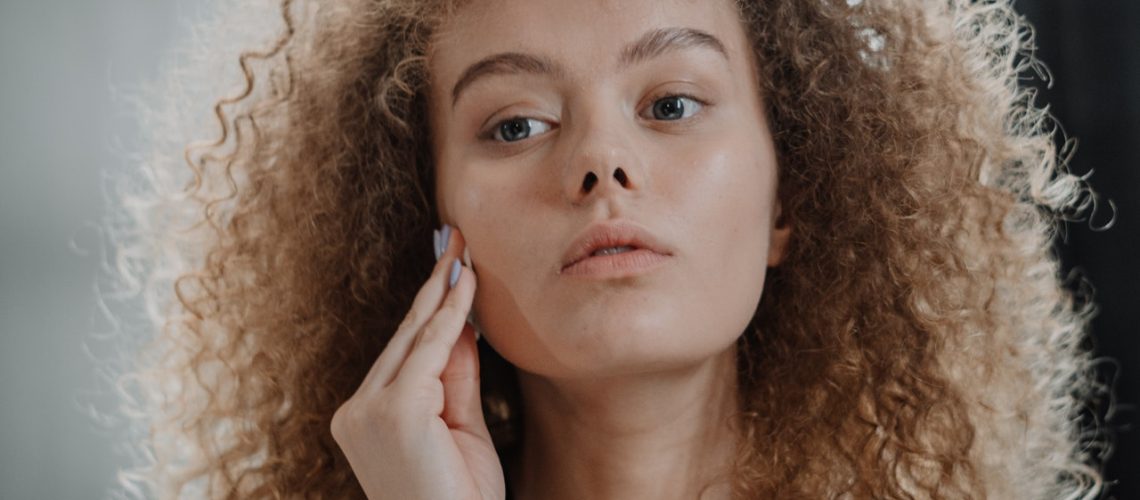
414 429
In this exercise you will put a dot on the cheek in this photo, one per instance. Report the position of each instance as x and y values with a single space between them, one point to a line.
500 224
726 202
488 214
725 196
479 202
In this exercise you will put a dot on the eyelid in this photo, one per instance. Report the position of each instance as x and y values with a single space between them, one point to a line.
661 95
489 133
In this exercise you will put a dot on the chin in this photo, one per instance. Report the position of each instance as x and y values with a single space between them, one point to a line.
614 345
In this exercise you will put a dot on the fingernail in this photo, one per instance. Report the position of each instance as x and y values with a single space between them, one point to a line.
454 273
444 238
435 243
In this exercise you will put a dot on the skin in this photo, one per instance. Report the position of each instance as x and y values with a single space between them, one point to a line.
627 382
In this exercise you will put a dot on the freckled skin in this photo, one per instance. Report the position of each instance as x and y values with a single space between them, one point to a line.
705 189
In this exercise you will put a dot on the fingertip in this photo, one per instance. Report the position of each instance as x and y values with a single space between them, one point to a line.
457 239
464 273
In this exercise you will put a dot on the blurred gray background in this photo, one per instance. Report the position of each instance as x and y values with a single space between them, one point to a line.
65 66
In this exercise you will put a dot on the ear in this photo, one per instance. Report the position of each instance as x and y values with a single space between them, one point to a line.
778 236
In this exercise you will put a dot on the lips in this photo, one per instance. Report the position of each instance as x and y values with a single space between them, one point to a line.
609 234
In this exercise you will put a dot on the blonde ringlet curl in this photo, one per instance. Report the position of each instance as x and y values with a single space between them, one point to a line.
917 342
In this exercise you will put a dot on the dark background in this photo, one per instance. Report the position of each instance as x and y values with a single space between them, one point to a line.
1092 49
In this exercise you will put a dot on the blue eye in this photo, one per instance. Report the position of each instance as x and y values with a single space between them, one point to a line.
675 107
518 128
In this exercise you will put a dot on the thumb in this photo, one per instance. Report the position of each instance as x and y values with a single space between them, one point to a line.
462 405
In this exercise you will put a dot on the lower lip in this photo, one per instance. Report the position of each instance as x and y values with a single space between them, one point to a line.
620 265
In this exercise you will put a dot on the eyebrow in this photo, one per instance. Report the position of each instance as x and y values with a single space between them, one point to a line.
652 44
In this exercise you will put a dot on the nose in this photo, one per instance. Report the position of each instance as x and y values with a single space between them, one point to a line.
589 184
601 164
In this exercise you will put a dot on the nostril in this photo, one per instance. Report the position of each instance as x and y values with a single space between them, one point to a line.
620 175
588 184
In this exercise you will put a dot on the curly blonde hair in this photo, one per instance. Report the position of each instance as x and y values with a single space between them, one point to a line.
917 342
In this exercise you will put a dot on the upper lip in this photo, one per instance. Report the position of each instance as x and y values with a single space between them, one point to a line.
611 234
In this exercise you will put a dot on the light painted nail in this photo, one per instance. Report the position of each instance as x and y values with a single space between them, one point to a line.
435 243
454 278
444 239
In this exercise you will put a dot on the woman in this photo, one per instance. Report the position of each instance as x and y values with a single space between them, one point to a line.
793 249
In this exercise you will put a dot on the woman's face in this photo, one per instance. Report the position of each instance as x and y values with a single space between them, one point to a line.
596 119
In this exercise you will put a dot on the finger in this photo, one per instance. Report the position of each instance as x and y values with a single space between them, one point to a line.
462 406
424 306
430 353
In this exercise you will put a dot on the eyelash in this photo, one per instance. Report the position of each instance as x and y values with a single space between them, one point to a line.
701 103
489 135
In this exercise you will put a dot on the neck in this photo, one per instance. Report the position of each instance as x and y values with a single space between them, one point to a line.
656 435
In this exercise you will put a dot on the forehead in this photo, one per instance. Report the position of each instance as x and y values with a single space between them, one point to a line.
584 36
